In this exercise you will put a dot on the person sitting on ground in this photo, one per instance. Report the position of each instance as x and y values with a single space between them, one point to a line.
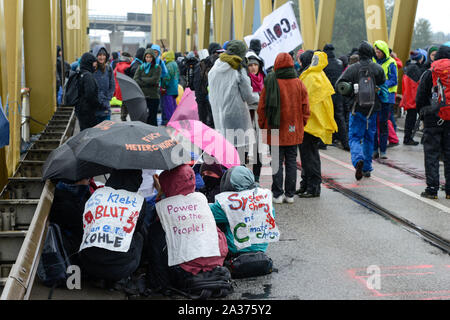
211 175
112 261
240 202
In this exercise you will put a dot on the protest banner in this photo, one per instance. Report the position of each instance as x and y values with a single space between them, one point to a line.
190 228
278 33
250 215
110 218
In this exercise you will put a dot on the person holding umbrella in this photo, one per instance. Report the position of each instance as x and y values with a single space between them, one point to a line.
148 77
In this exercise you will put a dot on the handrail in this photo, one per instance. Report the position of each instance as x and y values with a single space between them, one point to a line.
21 277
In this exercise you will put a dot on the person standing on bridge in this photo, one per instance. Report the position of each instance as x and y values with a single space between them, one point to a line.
363 118
104 76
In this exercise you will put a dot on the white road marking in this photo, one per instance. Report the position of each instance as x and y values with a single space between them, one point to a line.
430 202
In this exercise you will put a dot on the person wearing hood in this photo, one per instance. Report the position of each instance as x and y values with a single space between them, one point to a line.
177 188
211 175
320 126
436 134
413 71
148 77
104 75
188 70
230 92
160 61
389 66
201 71
333 71
284 106
255 47
60 77
88 102
363 121
104 263
136 63
255 71
170 86
231 215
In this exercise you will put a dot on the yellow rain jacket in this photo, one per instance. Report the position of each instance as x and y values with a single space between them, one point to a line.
321 123
180 94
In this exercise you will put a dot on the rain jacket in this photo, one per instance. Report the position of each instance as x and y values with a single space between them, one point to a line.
159 61
120 67
230 91
181 181
170 82
149 83
105 81
389 66
321 123
295 110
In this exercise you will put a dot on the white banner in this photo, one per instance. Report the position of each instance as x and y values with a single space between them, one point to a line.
191 231
110 218
279 33
250 215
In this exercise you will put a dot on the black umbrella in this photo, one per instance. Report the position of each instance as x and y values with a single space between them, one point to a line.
63 165
129 145
134 98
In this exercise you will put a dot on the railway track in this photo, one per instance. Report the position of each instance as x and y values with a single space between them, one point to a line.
25 203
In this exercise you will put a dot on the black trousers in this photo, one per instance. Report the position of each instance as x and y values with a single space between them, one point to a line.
311 164
410 123
152 106
436 142
287 155
339 117
205 113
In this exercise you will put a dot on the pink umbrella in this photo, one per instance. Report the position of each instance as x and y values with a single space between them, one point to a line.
187 108
209 140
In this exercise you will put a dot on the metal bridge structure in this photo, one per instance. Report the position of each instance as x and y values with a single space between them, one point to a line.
30 31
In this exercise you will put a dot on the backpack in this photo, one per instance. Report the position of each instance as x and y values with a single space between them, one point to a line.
441 89
171 280
366 89
250 264
52 268
71 90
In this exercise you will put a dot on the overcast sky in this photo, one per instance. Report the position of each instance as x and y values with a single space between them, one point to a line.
437 11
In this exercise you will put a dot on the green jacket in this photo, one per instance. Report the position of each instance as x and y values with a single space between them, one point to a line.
149 83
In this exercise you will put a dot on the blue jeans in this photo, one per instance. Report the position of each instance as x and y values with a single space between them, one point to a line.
361 139
381 139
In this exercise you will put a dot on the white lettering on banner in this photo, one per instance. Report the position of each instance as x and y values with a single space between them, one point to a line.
110 218
190 228
279 33
250 215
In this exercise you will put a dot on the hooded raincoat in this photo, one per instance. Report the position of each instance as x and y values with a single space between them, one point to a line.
230 91
106 84
321 123
170 82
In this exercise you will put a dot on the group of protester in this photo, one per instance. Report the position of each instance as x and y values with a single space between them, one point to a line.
304 104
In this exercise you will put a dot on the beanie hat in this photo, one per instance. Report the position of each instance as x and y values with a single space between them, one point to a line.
236 48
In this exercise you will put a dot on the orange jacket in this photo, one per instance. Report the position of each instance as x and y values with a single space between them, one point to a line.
294 107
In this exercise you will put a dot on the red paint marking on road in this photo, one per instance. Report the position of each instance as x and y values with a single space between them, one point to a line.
352 274
413 293
400 274
425 266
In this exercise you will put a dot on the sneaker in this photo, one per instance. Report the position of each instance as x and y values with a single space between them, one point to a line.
427 195
359 168
375 155
308 195
383 155
278 200
392 145
411 143
289 200
302 190
367 174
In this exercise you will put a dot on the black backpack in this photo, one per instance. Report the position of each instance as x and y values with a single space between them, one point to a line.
71 91
174 280
250 264
366 93
52 268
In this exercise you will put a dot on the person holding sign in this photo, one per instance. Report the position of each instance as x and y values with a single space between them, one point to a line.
248 215
113 237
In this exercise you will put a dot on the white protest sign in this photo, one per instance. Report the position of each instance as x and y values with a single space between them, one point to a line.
278 33
250 215
190 228
110 218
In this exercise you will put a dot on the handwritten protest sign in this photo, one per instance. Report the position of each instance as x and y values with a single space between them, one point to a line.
250 215
110 218
279 32
190 228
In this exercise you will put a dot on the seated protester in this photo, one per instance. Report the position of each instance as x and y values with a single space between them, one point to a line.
113 228
67 212
211 175
244 207
194 243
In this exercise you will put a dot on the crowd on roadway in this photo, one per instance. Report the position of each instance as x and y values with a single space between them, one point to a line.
307 101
